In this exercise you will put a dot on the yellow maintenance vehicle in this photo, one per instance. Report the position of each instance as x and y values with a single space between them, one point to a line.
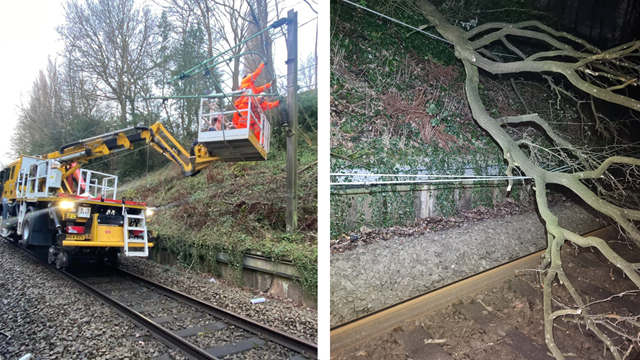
50 201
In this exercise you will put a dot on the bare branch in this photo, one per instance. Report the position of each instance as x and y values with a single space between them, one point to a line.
594 84
534 23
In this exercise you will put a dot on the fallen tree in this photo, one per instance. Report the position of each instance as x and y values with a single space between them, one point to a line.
597 73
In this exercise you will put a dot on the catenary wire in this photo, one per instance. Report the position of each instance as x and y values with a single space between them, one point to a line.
399 22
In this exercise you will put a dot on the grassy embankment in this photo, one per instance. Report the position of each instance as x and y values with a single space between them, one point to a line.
234 208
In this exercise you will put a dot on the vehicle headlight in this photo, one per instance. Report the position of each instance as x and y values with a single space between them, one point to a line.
150 212
66 205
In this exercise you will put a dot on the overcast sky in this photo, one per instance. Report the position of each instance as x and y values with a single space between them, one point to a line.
28 37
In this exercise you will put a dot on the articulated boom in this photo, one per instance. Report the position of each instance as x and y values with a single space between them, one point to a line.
155 135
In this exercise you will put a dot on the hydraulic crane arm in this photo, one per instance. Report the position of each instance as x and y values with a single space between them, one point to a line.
91 148
156 136
161 140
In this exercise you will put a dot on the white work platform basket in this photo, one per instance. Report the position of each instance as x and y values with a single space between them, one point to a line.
218 134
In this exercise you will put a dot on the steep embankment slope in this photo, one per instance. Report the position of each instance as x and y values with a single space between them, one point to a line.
235 208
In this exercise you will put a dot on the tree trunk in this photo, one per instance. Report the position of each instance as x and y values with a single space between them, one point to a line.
262 43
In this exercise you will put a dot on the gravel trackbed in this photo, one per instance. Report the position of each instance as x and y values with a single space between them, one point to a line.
50 318
371 277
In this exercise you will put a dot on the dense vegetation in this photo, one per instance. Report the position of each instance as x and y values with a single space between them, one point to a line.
398 106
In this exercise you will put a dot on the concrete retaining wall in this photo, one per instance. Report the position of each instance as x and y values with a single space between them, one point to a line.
362 201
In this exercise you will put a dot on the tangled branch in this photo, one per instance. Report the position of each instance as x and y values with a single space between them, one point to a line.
617 69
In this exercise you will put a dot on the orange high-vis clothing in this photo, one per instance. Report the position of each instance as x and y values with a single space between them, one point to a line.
255 126
260 89
242 102
76 175
240 116
249 82
264 106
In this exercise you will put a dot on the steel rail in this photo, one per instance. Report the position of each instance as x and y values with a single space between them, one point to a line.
163 334
167 336
298 345
356 331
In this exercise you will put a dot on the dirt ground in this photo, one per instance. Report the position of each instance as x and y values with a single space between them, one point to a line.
382 273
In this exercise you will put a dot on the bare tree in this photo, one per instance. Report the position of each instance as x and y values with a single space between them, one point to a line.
600 74
230 21
183 14
262 44
185 42
308 72
79 91
60 108
113 42
40 119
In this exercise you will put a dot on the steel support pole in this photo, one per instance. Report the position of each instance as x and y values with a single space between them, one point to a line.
292 109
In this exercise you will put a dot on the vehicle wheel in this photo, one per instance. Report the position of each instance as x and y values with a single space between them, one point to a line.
62 261
26 233
51 258
113 258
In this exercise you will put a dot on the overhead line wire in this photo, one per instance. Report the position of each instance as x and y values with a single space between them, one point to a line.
204 64
442 178
412 175
117 156
273 39
399 22
280 76
429 181
299 26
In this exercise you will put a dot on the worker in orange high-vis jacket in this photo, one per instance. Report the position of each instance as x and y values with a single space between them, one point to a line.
240 118
260 89
267 105
264 106
249 80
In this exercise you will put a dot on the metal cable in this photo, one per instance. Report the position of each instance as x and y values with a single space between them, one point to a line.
427 175
115 156
277 77
399 22
430 181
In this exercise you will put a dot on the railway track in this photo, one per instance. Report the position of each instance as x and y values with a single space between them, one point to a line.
197 328
397 323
